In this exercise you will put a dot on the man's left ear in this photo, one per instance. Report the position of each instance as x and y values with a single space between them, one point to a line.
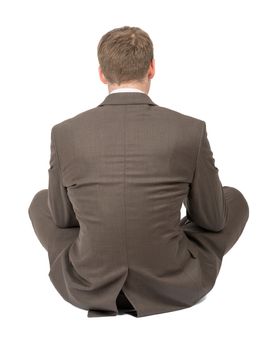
151 69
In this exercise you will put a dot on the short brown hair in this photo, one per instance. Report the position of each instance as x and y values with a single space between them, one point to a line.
125 54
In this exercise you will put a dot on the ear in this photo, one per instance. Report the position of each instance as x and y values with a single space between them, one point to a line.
151 70
101 75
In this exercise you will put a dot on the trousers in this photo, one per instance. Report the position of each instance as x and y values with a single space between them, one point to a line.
50 234
219 243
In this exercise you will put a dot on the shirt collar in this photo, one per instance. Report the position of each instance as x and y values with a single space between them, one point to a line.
126 89
124 98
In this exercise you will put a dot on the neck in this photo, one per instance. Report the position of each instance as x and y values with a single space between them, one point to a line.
141 86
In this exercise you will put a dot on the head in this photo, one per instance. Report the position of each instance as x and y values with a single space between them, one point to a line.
126 58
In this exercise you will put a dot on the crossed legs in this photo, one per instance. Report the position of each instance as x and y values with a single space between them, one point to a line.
221 242
46 230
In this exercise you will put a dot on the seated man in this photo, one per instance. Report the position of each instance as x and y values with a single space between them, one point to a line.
118 175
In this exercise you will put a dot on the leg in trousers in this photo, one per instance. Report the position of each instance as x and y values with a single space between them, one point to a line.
221 242
212 246
52 237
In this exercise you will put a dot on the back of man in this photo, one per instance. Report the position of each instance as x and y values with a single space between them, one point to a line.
119 174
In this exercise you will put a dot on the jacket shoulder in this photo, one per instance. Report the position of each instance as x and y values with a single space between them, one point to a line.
64 124
181 117
165 112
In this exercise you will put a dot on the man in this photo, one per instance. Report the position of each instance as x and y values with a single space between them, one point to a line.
118 175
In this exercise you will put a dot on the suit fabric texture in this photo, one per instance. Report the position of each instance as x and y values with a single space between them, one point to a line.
110 218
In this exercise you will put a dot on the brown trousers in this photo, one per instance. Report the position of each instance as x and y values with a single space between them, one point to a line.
220 242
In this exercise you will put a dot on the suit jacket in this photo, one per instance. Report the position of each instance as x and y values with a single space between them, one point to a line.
119 174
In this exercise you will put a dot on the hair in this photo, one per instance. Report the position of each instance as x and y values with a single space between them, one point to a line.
125 54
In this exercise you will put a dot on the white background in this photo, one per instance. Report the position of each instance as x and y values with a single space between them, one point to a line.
215 60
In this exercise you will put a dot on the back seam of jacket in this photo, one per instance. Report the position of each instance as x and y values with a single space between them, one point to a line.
124 179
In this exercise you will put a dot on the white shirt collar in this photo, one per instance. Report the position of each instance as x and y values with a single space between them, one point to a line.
126 89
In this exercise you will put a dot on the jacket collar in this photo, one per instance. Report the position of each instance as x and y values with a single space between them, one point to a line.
127 98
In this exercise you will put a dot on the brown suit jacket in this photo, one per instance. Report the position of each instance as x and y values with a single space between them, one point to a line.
119 174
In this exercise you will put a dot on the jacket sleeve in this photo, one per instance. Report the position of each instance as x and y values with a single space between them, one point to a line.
206 205
59 204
